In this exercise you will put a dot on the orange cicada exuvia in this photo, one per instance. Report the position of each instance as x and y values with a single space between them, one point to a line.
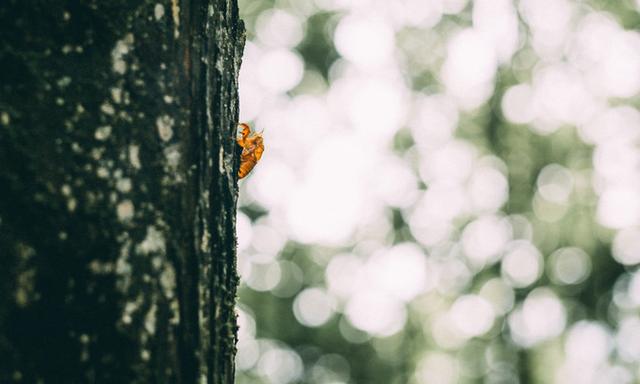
252 147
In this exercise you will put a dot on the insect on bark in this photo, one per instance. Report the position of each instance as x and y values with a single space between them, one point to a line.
252 147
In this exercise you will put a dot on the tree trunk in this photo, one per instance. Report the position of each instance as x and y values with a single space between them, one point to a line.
118 190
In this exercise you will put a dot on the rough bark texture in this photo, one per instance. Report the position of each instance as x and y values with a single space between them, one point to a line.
118 190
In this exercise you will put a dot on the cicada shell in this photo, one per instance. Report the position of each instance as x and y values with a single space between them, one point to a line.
252 147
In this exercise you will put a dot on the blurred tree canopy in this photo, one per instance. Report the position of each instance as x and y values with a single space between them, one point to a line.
451 192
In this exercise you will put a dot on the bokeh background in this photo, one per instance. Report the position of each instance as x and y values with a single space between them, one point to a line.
450 192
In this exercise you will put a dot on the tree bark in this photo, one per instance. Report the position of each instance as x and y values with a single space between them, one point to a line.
118 190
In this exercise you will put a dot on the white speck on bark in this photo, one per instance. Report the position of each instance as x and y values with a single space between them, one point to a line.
150 320
172 154
107 109
168 281
72 204
134 156
221 161
204 242
102 172
121 48
125 210
175 12
123 185
116 95
152 243
129 308
165 127
102 133
158 11
123 267
64 81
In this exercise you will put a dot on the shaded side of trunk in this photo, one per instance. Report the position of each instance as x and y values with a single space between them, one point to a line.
118 190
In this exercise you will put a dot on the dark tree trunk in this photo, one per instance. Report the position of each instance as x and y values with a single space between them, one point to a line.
118 190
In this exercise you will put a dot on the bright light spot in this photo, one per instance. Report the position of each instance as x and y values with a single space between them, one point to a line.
296 127
331 369
547 210
499 294
617 72
368 42
313 307
434 120
331 203
280 70
437 368
343 274
441 202
271 182
266 238
498 22
555 183
445 334
522 264
469 70
247 354
279 28
291 280
453 276
517 104
452 7
419 13
394 183
628 339
484 239
246 324
400 271
452 162
541 317
488 189
280 365
619 207
616 162
376 107
429 231
521 227
634 289
251 99
550 21
263 277
472 315
352 334
244 231
248 350
569 266
616 126
626 246
376 313
588 342
560 96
